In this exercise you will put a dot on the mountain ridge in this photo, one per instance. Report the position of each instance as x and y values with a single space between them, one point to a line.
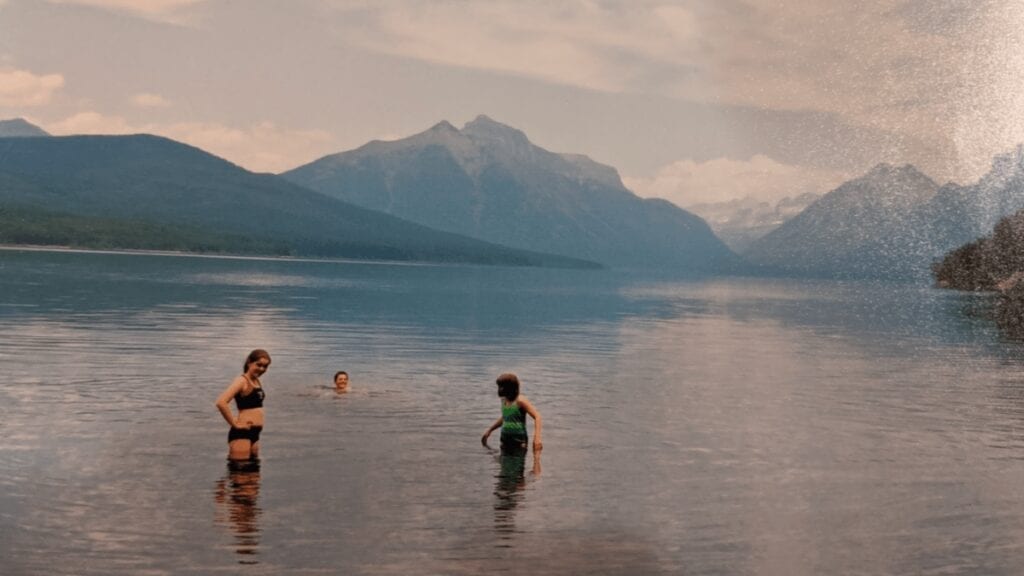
154 180
20 128
742 222
849 231
489 181
893 222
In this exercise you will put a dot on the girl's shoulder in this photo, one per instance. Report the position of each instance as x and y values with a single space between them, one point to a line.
241 383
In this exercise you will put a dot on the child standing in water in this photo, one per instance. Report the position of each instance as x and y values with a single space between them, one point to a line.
247 392
512 422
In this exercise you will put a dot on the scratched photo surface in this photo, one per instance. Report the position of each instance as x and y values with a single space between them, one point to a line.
757 265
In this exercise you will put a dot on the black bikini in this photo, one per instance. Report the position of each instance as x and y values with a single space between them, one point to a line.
251 434
251 400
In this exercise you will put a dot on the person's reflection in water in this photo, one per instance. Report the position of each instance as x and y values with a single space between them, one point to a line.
508 490
237 495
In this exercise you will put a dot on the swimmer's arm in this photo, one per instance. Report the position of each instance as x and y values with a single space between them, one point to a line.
225 397
492 428
537 424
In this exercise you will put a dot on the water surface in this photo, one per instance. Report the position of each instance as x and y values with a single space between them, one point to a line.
715 426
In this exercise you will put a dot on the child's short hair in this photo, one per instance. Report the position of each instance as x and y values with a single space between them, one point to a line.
339 373
508 386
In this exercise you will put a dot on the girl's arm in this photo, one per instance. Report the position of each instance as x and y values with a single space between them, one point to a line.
493 427
538 445
225 397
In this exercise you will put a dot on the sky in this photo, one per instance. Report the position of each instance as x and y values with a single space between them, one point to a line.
694 101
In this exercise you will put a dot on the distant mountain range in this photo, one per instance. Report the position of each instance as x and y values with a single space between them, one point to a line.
19 127
482 194
960 214
150 192
852 230
740 223
893 222
490 182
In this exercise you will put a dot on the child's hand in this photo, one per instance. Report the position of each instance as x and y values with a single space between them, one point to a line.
483 440
537 445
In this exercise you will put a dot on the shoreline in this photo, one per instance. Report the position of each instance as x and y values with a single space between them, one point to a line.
181 254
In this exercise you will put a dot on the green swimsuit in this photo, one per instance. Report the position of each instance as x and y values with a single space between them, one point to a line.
513 425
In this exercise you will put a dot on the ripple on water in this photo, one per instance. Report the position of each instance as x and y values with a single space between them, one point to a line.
724 427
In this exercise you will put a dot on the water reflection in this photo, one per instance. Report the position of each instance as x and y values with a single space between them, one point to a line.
758 427
431 297
237 497
509 489
1009 314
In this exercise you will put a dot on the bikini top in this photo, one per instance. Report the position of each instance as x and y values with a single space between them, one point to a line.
253 399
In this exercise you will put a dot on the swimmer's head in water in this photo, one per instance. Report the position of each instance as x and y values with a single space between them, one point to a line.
341 380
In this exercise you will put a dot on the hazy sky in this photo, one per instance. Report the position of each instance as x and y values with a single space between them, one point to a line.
693 101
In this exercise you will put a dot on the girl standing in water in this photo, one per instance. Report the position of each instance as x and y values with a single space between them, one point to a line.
247 391
512 422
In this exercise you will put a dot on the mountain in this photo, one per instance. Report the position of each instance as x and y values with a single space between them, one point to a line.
19 127
135 186
867 227
893 222
743 221
489 181
960 214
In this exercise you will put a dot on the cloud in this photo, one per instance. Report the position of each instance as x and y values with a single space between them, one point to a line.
167 11
147 100
579 43
800 56
23 88
261 147
91 123
943 73
687 183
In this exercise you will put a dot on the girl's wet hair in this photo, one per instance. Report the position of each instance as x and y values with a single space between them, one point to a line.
253 356
508 386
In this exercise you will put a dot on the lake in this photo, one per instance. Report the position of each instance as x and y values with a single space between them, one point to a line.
691 426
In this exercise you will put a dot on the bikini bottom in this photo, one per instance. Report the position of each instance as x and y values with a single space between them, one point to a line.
252 434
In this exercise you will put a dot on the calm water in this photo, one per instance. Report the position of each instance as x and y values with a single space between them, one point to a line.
726 426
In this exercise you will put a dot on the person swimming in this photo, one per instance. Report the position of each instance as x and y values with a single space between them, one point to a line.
341 381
